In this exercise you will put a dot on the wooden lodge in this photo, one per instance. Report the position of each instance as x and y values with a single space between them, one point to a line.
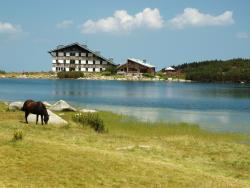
136 66
78 57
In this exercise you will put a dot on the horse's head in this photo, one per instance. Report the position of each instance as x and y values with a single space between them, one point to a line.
46 119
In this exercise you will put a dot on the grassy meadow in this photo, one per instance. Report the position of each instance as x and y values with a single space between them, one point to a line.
130 154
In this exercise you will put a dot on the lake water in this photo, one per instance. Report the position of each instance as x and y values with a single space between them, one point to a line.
217 107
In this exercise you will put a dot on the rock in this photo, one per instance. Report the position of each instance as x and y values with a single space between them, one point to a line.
47 104
88 111
53 119
15 105
61 106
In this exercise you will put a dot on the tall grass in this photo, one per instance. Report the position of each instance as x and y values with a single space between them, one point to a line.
90 119
17 135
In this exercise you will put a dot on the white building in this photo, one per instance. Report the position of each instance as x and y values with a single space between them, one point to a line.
77 57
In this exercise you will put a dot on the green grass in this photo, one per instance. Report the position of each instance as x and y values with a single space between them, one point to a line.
130 154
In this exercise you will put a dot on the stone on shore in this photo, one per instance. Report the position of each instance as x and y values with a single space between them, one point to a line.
88 110
62 106
53 119
47 104
15 105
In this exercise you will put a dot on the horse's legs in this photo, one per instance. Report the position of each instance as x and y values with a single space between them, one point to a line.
37 118
26 116
42 119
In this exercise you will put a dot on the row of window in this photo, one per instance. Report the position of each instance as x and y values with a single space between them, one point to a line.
76 69
61 54
80 62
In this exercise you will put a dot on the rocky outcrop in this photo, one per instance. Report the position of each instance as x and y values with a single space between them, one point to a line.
15 106
61 106
53 119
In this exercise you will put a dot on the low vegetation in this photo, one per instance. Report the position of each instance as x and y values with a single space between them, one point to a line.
234 70
111 70
17 135
130 154
148 75
90 119
70 75
2 72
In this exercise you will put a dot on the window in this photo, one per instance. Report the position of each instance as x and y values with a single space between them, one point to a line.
100 62
64 61
86 61
100 69
86 69
94 62
79 61
93 69
72 61
72 54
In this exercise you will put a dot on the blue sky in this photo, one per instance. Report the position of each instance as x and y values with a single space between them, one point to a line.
165 32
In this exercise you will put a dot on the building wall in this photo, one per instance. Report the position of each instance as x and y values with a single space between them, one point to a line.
135 68
78 60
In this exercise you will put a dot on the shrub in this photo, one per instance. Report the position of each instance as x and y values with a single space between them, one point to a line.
148 75
17 135
90 119
71 74
110 70
2 72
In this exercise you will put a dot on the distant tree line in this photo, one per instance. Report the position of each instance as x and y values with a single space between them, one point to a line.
233 70
2 71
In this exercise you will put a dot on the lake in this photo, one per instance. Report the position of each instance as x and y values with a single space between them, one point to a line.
217 107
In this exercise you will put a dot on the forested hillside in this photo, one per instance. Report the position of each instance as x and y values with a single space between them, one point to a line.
234 70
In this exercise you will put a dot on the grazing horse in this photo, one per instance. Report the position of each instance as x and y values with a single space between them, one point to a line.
37 108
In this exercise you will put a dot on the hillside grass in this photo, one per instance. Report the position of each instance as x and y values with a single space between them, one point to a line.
130 154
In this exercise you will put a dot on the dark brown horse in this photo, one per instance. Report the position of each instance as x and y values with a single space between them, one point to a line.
37 108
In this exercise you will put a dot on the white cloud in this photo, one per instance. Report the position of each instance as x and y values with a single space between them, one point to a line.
8 28
193 17
64 24
121 21
242 35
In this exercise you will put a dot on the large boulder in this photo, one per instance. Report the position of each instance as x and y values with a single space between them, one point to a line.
15 106
47 104
61 106
53 119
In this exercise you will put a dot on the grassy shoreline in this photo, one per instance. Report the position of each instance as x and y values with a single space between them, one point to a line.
130 154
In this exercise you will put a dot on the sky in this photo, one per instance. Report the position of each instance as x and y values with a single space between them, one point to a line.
164 32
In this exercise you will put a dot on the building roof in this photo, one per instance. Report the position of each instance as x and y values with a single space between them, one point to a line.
83 46
169 69
141 62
